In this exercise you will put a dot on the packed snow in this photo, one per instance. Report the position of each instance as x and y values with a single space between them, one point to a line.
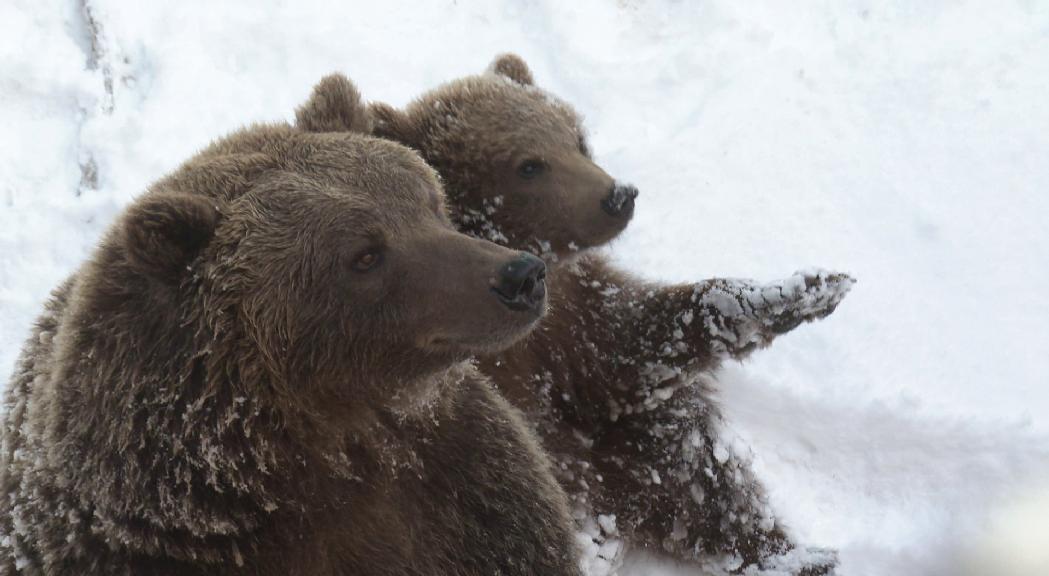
903 142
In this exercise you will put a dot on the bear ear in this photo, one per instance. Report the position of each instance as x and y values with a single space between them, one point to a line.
163 233
391 123
334 106
513 67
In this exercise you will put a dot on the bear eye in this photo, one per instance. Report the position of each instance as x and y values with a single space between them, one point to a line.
367 260
531 168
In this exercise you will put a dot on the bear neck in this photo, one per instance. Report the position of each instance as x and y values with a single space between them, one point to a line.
354 413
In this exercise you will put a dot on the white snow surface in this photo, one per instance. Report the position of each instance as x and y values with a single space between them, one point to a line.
904 142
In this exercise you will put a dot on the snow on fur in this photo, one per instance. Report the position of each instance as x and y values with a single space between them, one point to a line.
902 142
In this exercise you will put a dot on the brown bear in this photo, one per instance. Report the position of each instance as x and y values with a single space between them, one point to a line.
616 379
261 370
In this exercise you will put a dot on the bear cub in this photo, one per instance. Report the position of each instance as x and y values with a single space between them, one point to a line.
617 378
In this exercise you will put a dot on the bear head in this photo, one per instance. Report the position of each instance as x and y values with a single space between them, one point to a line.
514 158
330 258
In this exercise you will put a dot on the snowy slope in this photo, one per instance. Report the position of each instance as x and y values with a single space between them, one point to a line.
905 142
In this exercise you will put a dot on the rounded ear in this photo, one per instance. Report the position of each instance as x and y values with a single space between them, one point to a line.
164 232
512 67
334 106
391 123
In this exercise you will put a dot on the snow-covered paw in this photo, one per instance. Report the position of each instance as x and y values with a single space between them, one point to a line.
598 540
793 562
805 296
742 314
801 561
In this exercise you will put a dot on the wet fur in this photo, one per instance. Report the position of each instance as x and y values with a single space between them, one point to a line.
194 400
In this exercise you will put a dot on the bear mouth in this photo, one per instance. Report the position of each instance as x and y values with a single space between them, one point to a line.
486 342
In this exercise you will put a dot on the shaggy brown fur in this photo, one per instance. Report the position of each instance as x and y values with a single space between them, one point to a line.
260 371
614 379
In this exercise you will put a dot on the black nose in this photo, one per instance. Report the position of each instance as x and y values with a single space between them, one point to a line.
620 201
521 283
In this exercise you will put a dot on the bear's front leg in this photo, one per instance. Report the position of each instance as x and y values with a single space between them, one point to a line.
613 342
696 326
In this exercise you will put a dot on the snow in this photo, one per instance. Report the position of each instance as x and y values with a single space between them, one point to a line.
902 142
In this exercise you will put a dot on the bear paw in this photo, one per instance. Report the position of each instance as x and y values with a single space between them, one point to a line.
801 561
742 314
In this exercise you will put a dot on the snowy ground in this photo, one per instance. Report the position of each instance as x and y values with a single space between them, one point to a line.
905 142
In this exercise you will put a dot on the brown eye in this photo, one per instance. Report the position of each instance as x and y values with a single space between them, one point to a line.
367 260
531 168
